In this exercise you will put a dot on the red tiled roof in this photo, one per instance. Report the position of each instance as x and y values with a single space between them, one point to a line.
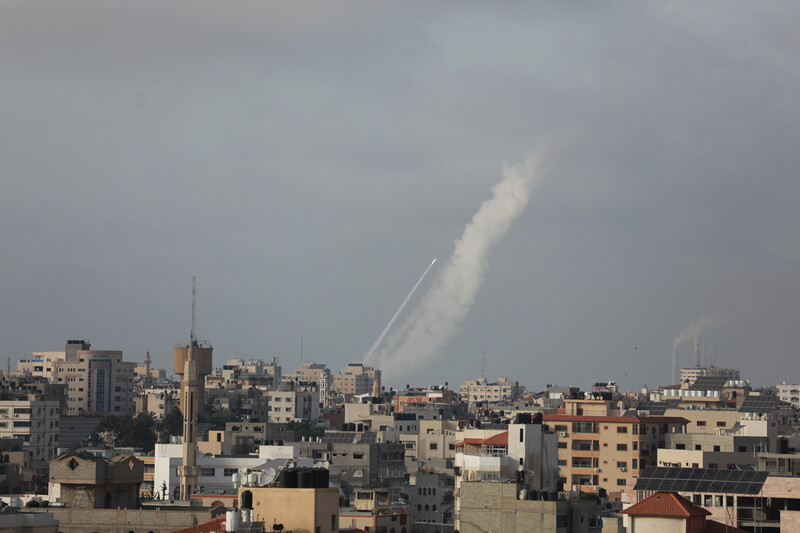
501 439
667 504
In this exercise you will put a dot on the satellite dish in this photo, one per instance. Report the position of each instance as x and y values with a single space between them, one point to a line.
268 476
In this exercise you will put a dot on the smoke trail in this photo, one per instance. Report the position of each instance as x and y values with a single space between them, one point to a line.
368 357
695 328
449 300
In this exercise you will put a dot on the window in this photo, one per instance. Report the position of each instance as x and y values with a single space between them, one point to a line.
230 471
622 429
701 423
622 464
716 448
434 446
562 444
680 446
207 472
622 482
622 447
721 424
635 464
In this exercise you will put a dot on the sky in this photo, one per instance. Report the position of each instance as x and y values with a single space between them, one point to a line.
308 160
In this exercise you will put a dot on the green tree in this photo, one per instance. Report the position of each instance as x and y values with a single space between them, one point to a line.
305 428
170 425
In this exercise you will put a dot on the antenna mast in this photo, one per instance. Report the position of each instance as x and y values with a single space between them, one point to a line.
194 308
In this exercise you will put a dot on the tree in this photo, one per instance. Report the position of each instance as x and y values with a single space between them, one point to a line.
305 428
170 425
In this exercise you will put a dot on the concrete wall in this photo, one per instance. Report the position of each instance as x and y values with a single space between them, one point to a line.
495 507
299 510
126 520
655 524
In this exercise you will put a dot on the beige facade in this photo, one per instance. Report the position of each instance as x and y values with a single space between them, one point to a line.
497 507
356 379
96 482
41 364
608 451
481 390
311 510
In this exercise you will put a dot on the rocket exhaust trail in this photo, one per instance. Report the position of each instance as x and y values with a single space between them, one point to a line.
397 313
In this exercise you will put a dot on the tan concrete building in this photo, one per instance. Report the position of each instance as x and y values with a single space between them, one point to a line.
498 507
597 452
94 482
97 382
481 390
356 379
313 509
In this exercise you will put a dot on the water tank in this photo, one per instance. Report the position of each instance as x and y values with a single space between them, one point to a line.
305 478
247 516
237 479
288 478
325 478
252 480
231 521
247 500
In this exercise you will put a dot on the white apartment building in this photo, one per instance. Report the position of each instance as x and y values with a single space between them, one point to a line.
35 422
690 375
480 390
215 472
293 405
789 393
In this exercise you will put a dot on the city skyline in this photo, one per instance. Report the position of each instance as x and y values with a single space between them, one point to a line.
307 165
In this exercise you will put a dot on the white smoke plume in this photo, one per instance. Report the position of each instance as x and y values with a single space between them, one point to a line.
447 303
696 328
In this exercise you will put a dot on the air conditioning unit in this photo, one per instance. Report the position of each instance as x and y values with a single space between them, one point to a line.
597 487
562 433
623 469
596 469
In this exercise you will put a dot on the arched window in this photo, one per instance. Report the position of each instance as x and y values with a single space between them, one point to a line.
434 507
419 507
427 507
433 491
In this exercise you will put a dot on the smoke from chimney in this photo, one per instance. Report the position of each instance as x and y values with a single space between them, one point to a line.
448 302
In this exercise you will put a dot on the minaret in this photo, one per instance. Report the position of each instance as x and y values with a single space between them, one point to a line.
147 362
191 386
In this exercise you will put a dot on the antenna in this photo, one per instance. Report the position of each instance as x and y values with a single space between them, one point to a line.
194 307
483 363
301 347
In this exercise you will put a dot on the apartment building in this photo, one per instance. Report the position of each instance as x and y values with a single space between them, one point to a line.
293 405
317 373
481 390
789 393
35 424
98 382
597 452
356 379
690 375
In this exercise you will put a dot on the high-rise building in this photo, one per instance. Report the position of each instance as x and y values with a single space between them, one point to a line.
98 382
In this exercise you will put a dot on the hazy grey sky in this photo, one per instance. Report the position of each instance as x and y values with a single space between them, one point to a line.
307 161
